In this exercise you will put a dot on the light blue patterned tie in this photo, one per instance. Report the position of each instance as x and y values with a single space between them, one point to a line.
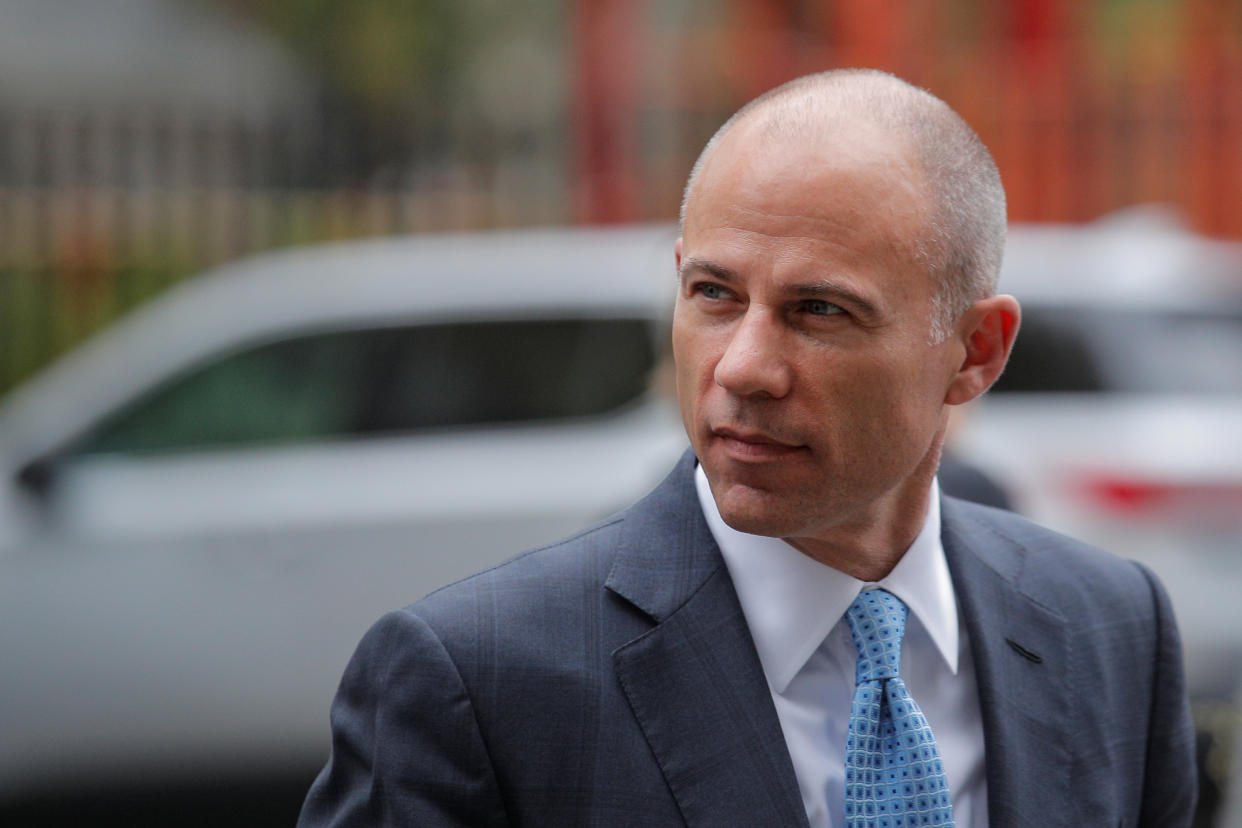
893 774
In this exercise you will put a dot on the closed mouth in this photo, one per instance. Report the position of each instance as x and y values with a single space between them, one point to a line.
752 445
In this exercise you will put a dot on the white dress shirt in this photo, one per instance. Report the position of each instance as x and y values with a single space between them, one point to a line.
795 608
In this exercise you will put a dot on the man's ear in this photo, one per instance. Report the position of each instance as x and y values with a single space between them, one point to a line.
677 253
987 330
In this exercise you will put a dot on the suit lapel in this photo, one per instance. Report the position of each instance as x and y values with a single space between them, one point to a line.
697 690
694 681
1022 654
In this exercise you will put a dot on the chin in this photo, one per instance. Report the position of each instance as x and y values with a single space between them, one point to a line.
754 513
757 525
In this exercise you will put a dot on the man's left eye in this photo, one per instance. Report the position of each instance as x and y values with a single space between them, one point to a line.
819 307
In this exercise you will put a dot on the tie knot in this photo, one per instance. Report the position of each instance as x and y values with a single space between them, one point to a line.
877 620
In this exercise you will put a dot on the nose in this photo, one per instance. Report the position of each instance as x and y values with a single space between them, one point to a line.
755 360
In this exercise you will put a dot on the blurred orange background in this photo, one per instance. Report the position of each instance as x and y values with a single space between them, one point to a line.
128 162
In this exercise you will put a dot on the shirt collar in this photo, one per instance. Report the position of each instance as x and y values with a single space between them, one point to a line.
791 602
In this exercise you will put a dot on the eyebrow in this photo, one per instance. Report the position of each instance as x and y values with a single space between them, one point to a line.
821 289
721 272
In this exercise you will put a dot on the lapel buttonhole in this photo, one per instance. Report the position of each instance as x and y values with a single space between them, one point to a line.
1033 657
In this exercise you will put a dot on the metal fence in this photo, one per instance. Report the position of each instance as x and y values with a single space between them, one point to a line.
100 210
98 214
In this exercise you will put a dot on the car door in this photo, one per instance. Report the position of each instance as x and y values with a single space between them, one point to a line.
204 559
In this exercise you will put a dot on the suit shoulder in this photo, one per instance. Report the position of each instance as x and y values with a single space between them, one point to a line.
533 583
1010 527
1054 569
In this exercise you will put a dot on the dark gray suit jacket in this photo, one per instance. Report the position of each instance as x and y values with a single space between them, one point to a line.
611 680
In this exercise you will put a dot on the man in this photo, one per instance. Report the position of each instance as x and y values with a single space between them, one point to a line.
794 628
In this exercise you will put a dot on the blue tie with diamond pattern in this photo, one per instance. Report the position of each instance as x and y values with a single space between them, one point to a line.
894 777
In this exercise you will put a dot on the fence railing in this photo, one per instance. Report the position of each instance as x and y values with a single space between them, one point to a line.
71 261
99 211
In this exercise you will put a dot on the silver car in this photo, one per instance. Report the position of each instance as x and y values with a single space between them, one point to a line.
1119 416
202 510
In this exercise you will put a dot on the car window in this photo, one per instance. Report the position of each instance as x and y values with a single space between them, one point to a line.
1125 350
389 380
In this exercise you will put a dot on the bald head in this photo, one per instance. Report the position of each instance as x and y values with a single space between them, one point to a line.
964 236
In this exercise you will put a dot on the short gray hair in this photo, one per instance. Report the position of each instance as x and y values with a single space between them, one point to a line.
965 241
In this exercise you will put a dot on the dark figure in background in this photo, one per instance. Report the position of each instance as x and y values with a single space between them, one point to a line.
742 646
960 479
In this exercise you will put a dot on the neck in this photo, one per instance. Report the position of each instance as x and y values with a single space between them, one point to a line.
869 547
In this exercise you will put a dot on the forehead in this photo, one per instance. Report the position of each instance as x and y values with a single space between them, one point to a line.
852 188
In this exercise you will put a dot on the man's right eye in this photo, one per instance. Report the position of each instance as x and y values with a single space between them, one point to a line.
711 290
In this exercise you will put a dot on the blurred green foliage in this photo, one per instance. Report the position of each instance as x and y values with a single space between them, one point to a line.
377 53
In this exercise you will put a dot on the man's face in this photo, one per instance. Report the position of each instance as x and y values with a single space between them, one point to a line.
808 386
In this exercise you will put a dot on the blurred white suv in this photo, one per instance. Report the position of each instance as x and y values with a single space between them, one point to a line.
1119 416
202 510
